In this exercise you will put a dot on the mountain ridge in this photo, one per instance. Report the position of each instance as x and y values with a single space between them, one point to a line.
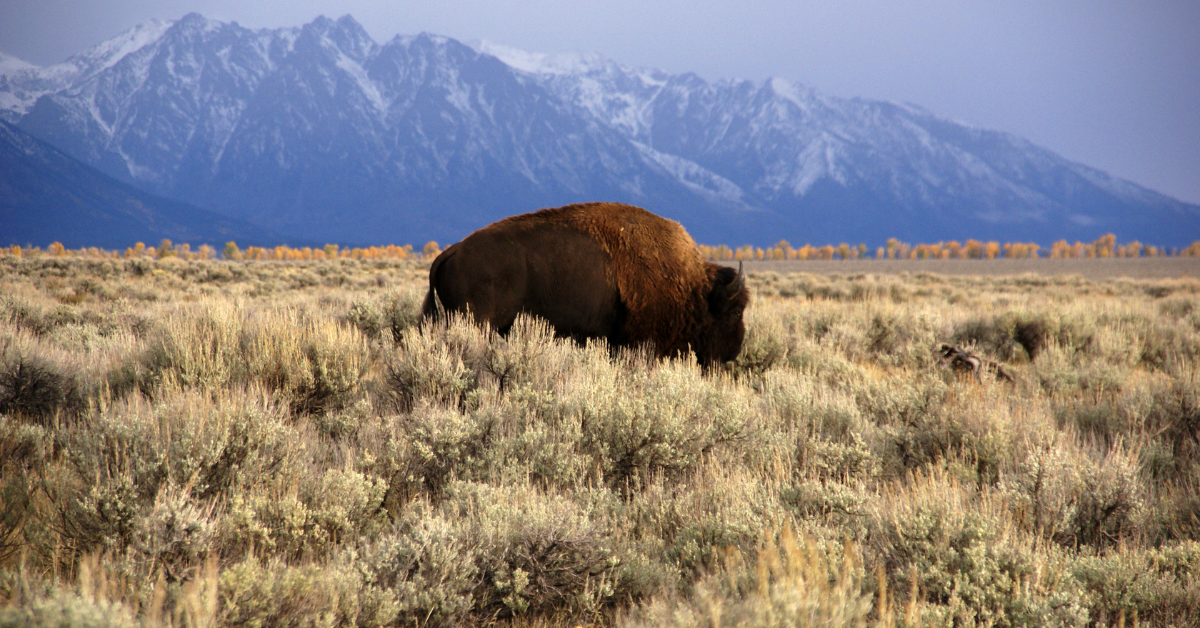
47 196
319 131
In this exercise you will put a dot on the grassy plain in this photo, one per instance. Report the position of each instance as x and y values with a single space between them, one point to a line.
1089 268
197 443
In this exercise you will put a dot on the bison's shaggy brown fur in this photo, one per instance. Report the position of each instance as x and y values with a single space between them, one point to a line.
664 294
653 261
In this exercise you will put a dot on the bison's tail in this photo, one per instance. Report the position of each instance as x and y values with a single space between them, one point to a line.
429 309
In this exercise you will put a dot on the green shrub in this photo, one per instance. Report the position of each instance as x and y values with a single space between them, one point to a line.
1110 502
1045 487
843 461
197 348
36 320
275 593
98 598
1159 586
292 519
367 317
347 422
991 335
688 524
491 552
1175 417
528 356
433 446
435 364
65 609
35 385
395 312
906 400
538 552
317 365
894 338
1176 512
1064 376
176 535
1163 344
24 450
118 463
958 549
800 404
638 423
1015 335
425 572
792 583
1179 307
1079 497
835 504
765 344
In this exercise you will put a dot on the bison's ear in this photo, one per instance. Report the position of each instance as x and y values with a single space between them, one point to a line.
727 284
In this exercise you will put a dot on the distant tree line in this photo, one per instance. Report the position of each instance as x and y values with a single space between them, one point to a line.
167 249
1104 247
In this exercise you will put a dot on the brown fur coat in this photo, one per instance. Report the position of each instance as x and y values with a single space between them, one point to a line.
656 267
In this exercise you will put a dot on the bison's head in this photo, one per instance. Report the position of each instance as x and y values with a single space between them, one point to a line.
727 300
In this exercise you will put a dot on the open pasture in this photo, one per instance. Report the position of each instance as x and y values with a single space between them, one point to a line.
204 442
1092 269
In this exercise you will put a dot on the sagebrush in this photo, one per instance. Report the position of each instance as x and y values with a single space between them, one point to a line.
201 442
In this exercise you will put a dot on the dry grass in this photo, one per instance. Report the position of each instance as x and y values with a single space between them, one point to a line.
1093 269
194 443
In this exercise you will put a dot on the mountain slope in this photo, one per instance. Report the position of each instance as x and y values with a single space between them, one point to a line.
858 169
47 196
322 133
21 83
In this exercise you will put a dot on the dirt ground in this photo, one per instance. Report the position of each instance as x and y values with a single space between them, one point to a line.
1094 269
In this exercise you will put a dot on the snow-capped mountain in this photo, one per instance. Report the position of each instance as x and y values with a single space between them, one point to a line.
320 132
853 166
21 83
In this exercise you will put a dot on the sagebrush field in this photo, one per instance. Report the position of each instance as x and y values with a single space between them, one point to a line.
196 443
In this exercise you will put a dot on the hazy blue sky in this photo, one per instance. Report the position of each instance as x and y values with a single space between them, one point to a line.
1113 84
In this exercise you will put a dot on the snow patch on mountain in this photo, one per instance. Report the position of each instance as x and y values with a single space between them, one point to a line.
106 54
22 83
540 62
803 97
10 65
697 178
364 83
618 95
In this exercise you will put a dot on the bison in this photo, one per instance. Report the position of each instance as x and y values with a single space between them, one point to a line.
596 270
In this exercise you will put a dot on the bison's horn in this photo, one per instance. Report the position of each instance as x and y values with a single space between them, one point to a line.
737 283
